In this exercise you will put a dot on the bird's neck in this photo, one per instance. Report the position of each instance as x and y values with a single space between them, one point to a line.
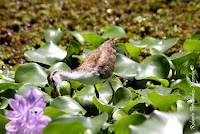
69 75
82 75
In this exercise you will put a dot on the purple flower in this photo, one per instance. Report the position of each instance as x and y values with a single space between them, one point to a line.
27 115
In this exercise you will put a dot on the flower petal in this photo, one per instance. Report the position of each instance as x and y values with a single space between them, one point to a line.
14 104
13 115
31 96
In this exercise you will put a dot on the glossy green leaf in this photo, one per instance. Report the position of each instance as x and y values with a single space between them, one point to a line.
122 97
92 38
24 89
182 105
148 42
7 85
122 125
53 113
73 48
65 88
98 121
67 123
162 123
114 32
119 114
76 124
81 57
191 45
3 103
143 94
85 97
59 66
186 85
160 45
77 35
103 107
155 67
133 50
67 105
48 54
179 59
163 45
31 73
75 84
125 67
105 91
53 35
129 105
163 102
3 122
6 76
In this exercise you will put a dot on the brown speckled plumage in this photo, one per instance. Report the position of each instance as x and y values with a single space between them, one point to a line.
103 58
97 66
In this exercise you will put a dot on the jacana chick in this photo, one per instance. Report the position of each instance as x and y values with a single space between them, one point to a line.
95 68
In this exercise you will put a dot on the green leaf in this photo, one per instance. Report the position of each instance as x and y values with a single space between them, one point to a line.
24 89
81 57
196 36
162 123
163 102
31 73
133 50
179 59
67 105
148 42
3 103
76 124
92 38
85 97
73 48
114 32
191 45
160 45
48 54
105 91
122 97
143 94
3 122
122 125
53 113
98 121
67 123
53 35
40 42
129 105
155 67
103 107
189 87
163 45
125 67
7 85
119 114
77 35
59 66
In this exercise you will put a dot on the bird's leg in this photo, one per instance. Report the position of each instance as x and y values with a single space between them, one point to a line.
112 91
97 94
58 91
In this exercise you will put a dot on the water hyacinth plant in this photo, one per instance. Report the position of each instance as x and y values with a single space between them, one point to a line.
151 96
27 115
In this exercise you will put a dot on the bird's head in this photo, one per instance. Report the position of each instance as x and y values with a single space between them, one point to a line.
54 80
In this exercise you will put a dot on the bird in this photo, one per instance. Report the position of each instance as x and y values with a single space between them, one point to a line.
96 67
